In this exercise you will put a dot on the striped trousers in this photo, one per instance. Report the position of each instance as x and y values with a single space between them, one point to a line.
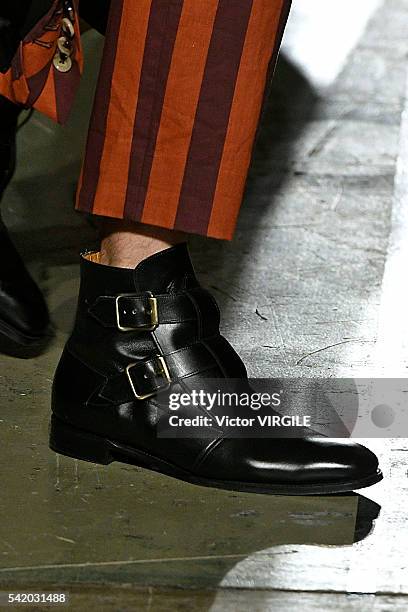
178 102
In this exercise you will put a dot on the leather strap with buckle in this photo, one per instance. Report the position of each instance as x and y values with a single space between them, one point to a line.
147 377
134 311
127 311
144 312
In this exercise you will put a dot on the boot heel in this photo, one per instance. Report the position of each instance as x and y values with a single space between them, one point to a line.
72 442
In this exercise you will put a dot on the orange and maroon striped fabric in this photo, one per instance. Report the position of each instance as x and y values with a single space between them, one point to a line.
33 81
176 111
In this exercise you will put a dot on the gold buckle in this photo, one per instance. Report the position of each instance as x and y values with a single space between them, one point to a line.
165 371
153 313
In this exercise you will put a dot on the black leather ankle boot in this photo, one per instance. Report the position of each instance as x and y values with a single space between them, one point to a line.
24 319
140 331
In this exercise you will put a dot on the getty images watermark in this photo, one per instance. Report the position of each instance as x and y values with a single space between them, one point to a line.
336 408
226 399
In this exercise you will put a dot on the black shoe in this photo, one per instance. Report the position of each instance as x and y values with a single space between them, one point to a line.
135 331
24 319
9 113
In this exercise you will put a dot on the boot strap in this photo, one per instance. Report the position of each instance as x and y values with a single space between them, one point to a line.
147 377
144 312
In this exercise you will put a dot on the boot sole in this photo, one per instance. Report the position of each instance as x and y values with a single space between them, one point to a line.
78 444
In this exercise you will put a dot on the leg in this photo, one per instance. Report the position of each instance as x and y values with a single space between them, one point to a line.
125 244
183 164
8 126
177 153
169 146
24 320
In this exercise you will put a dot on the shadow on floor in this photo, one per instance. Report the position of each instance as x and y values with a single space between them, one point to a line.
291 105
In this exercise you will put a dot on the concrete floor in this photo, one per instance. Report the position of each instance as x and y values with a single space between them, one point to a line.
319 254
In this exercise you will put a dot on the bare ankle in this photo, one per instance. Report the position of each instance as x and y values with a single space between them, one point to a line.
124 244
